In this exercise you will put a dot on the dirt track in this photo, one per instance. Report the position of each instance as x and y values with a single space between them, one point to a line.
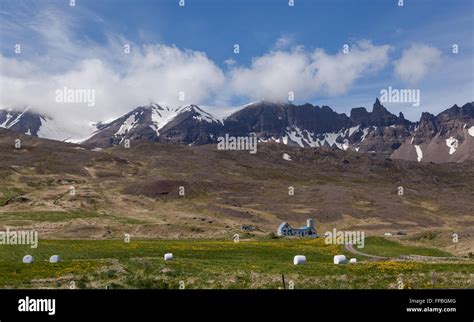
350 248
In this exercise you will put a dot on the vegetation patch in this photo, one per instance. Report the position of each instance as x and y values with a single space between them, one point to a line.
8 193
46 216
390 248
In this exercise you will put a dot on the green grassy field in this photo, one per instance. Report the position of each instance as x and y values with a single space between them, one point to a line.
222 264
390 248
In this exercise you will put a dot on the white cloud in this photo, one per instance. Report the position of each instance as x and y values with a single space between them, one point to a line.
157 73
230 62
284 42
416 62
160 72
57 52
58 55
307 74
149 74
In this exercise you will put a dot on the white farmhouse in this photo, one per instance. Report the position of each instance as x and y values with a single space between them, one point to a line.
306 231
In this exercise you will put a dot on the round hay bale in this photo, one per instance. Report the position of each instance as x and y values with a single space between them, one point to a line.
299 260
28 259
340 259
168 256
353 260
54 259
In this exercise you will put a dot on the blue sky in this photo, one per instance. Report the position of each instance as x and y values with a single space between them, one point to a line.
215 26
190 48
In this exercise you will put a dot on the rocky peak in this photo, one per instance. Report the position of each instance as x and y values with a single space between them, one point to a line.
359 116
380 116
427 118
456 112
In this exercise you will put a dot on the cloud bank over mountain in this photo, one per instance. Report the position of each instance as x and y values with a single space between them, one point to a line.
125 72
306 73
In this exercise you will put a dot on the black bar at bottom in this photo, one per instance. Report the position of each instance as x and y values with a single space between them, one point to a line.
242 305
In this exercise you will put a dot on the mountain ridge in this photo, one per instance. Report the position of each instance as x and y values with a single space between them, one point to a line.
306 126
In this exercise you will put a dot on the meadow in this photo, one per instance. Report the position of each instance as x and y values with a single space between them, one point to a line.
224 264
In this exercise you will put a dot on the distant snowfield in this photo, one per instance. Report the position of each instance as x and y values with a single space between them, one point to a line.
304 138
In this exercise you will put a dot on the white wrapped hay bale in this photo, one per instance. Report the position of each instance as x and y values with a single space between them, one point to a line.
168 256
340 259
28 259
353 260
54 259
299 260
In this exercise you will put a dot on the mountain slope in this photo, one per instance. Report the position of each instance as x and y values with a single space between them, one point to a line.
24 122
305 126
136 190
191 125
31 123
442 138
446 137
187 124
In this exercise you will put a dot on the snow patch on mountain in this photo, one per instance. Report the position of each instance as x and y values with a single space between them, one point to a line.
345 145
54 130
18 118
364 134
329 138
160 116
353 129
88 131
5 124
471 131
11 119
127 125
266 140
296 136
286 157
453 144
306 138
31 123
419 153
201 114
